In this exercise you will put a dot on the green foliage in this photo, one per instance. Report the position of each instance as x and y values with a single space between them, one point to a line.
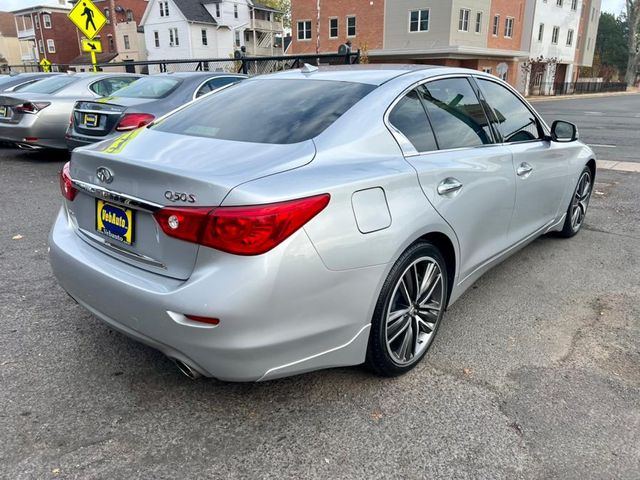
611 43
283 6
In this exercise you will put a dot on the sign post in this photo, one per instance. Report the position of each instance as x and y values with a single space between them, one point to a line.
89 20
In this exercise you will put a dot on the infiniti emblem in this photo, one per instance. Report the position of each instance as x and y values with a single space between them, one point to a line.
104 175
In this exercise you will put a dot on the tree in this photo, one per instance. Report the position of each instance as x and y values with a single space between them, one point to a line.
611 49
283 6
633 40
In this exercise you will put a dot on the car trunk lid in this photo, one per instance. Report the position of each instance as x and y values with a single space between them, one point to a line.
164 169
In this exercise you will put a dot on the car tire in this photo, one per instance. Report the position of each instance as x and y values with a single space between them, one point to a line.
409 311
577 210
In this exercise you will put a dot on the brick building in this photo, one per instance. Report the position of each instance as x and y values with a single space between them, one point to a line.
478 34
46 32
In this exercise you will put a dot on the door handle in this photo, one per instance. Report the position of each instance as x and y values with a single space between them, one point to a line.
524 169
449 185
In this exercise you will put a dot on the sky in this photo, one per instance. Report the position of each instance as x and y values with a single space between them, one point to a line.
613 6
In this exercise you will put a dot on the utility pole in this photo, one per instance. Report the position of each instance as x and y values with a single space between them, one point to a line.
318 27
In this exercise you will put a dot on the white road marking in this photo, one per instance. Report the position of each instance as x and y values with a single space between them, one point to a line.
601 146
593 113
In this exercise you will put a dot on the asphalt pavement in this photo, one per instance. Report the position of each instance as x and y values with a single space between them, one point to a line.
609 124
535 372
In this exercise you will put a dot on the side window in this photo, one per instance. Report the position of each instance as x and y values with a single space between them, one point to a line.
216 83
409 117
107 86
515 122
456 114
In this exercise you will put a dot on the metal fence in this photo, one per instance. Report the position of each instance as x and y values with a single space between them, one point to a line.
247 65
576 88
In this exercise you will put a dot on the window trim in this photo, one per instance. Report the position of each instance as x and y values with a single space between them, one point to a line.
495 29
46 16
540 32
355 26
304 39
478 22
337 19
553 31
156 39
506 21
36 21
51 43
204 38
461 19
420 10
407 148
41 46
195 92
570 38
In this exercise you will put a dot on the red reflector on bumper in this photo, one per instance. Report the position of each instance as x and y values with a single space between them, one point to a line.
210 321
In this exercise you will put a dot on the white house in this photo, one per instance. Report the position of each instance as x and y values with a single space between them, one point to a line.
551 29
204 29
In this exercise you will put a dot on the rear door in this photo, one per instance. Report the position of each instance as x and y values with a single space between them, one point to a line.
540 167
445 135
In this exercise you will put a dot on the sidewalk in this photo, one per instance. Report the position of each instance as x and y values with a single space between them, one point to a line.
547 98
618 166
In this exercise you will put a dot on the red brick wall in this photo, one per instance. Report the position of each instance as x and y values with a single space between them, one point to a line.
506 8
63 33
369 24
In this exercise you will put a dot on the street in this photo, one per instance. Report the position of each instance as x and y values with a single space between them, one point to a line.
609 124
535 372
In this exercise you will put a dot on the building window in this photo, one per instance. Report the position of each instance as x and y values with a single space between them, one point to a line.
111 45
174 41
496 25
351 26
129 15
237 38
569 38
541 32
164 9
304 30
478 22
463 20
555 35
51 46
156 39
203 35
40 46
419 20
36 20
217 9
593 13
503 75
574 4
127 44
333 28
508 27
46 20
235 10
486 69
107 14
559 3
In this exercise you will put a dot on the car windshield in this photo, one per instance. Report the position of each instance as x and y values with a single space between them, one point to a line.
276 111
50 85
148 87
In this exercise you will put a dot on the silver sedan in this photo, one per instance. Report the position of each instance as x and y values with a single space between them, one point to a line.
37 116
327 218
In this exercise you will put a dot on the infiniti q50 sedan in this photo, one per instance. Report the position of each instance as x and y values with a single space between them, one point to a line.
328 218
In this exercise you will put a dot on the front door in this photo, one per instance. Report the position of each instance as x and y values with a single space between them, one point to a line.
540 167
467 178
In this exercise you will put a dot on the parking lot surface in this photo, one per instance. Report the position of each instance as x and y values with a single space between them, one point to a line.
535 373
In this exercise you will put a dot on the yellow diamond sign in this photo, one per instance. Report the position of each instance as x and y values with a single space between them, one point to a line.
46 65
88 18
92 46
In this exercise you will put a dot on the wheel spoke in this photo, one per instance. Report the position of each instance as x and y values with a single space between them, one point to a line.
406 341
427 296
397 329
405 292
429 326
428 277
393 316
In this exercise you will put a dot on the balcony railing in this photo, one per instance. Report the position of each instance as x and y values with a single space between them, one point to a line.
256 24
28 33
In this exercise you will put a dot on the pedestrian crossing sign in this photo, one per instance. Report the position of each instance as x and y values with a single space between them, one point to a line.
88 18
94 46
45 64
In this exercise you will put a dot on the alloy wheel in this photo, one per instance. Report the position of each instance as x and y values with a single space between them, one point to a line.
580 201
414 311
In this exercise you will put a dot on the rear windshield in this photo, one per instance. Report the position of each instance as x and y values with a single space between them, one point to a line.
148 87
50 85
267 111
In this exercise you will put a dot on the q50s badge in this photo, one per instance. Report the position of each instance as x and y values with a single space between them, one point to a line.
179 196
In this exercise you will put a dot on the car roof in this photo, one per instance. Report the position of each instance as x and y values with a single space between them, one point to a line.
197 74
374 74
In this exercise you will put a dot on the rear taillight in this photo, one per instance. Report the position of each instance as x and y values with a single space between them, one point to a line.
31 107
66 185
131 121
251 230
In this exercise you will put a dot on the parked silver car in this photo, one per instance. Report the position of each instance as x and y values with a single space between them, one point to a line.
37 116
327 218
139 104
15 82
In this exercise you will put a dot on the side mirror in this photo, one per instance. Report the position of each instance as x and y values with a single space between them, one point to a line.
564 132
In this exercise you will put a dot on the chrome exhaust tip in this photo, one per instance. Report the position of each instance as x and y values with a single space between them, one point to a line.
186 369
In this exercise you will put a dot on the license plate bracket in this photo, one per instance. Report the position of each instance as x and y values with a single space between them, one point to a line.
115 222
90 120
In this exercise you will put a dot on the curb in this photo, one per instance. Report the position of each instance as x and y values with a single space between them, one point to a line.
580 95
618 166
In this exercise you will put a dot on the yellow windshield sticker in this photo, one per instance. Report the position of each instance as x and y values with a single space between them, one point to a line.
119 143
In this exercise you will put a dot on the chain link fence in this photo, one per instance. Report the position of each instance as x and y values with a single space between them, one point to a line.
248 65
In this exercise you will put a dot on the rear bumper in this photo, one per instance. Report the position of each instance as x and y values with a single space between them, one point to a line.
280 314
75 140
34 132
